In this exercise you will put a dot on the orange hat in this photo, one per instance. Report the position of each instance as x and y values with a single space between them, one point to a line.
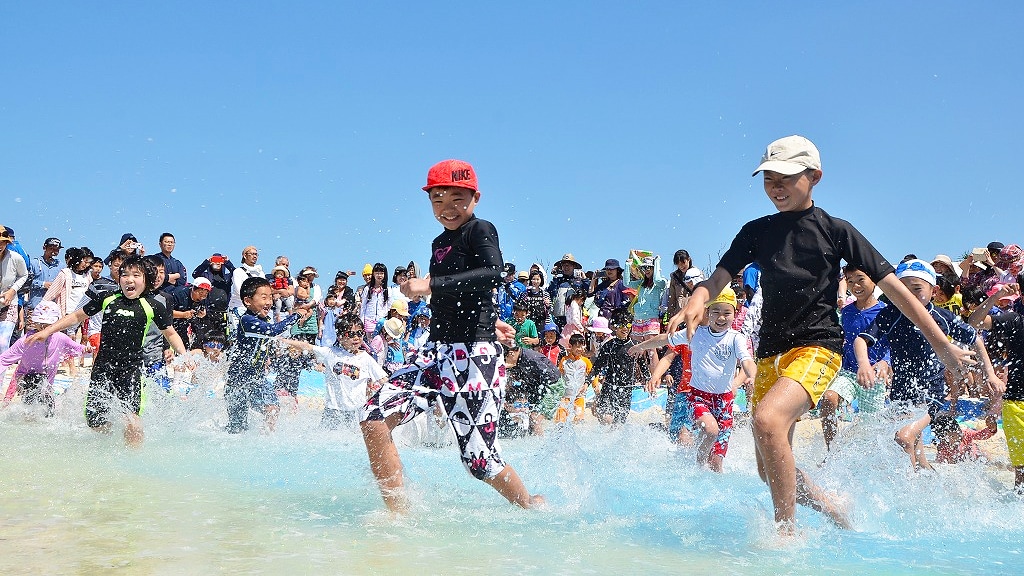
451 173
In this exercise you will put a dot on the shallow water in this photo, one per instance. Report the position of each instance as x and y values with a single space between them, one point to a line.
197 500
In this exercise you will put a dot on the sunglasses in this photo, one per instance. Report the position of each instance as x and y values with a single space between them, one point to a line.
617 326
214 345
355 334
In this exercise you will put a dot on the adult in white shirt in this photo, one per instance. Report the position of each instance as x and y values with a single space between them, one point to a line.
247 269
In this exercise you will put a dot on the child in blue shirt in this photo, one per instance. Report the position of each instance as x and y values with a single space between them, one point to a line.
855 318
918 378
247 385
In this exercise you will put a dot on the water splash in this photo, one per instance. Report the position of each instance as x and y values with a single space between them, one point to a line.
624 500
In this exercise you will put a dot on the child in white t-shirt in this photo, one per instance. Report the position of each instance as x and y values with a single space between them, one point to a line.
716 349
575 368
350 374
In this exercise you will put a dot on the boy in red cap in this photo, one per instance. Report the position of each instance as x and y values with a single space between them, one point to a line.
799 250
461 368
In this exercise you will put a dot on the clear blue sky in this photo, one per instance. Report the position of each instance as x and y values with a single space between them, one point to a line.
595 127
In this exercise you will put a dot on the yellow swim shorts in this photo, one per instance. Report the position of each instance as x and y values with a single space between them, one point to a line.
1013 427
813 367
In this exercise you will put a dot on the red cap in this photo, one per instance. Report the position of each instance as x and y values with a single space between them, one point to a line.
452 173
202 283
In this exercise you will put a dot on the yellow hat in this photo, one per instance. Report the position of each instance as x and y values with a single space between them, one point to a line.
368 269
726 297
400 306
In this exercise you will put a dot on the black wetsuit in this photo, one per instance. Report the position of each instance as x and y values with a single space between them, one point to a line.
117 370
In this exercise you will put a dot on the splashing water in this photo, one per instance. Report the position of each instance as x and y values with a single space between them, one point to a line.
195 499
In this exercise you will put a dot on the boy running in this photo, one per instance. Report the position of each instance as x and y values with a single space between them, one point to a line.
247 385
799 250
716 350
116 380
350 372
616 372
575 368
461 368
918 376
855 318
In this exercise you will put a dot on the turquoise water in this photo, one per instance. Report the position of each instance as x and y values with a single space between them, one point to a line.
196 500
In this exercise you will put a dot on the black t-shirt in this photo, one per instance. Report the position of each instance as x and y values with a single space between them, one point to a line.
1006 345
465 267
620 370
799 254
124 328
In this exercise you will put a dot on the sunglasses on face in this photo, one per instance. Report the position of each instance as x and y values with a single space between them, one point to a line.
355 334
619 326
214 345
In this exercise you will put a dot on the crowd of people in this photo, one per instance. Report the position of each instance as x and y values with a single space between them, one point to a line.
911 339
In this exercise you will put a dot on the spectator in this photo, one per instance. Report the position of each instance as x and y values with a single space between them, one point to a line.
562 278
610 293
44 271
175 274
13 275
130 245
247 269
218 270
508 292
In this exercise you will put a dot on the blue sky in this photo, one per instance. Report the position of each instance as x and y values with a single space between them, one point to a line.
307 129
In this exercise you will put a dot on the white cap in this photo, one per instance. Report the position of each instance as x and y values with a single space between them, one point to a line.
790 155
395 327
916 269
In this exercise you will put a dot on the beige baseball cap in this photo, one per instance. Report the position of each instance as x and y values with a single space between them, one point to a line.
790 155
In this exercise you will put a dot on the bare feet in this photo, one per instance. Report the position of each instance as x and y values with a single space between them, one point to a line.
831 505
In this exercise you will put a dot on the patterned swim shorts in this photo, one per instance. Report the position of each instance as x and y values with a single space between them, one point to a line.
468 382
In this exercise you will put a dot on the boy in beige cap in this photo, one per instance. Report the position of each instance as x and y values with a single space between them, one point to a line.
800 249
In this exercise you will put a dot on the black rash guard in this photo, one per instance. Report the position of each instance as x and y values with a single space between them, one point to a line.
465 267
1006 344
799 254
124 329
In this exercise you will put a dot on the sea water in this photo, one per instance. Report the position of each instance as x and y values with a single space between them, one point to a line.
196 500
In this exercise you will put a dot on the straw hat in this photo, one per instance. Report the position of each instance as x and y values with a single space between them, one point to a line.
568 258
